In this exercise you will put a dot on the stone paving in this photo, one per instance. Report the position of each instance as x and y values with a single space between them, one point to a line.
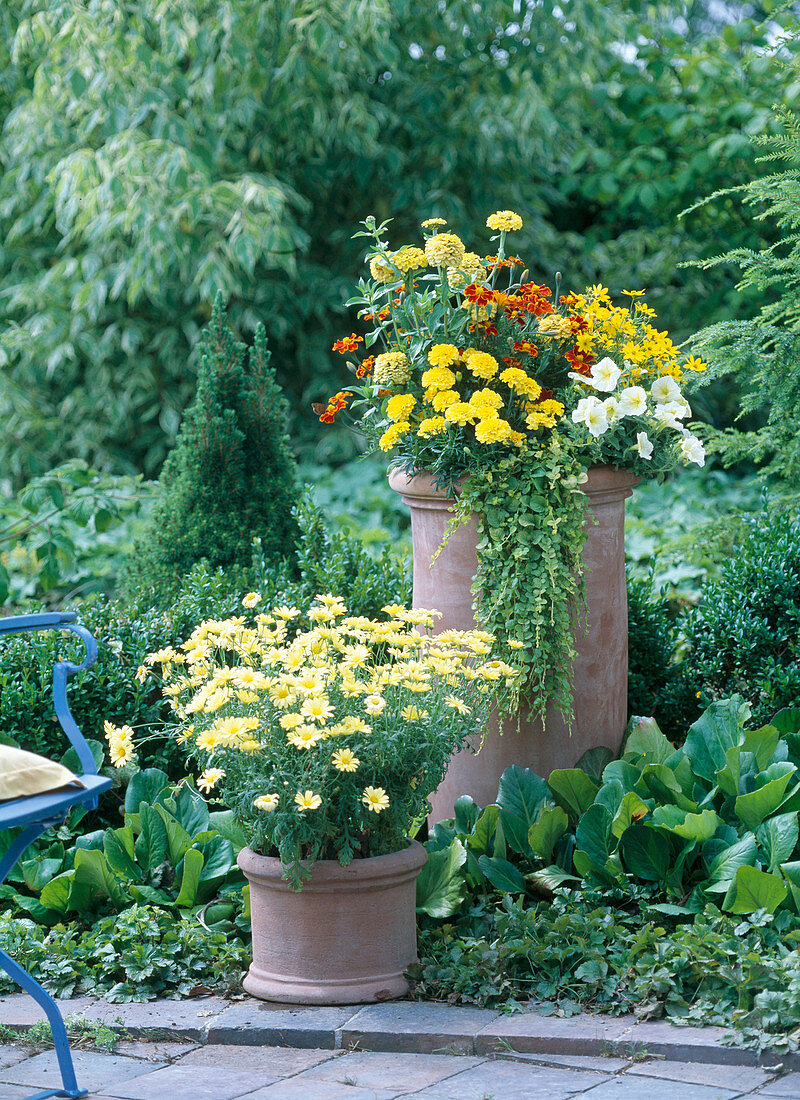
220 1050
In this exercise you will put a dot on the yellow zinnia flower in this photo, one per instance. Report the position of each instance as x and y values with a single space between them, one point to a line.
504 221
444 250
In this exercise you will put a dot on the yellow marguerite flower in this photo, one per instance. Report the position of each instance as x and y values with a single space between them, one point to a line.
209 779
374 704
266 802
375 799
345 760
307 800
412 713
457 704
304 737
251 599
317 708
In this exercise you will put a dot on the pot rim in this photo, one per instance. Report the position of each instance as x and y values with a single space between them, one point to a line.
360 873
605 484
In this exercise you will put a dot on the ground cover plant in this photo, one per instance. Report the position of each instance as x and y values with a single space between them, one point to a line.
623 883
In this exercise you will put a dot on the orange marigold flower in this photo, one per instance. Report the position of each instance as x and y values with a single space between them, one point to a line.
569 299
525 346
348 343
581 360
479 295
327 416
365 367
510 361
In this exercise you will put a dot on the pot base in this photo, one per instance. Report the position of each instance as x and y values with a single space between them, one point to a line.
300 991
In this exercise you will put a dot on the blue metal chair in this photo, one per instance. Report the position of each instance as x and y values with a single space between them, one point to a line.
40 812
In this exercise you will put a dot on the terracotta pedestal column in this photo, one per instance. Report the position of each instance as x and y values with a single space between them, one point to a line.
600 670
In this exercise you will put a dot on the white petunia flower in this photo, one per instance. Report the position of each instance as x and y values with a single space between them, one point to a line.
604 375
665 389
591 412
632 402
692 450
679 408
612 411
643 445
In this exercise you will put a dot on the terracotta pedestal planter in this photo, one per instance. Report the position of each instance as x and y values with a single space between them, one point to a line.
345 938
600 670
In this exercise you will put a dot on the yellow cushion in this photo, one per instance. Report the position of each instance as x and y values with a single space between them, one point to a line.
24 773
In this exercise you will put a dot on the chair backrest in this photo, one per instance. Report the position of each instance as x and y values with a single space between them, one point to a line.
62 670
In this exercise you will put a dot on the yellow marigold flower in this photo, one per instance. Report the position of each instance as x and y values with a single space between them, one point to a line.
536 420
307 800
556 326
438 378
493 430
551 407
391 367
460 413
442 355
504 220
345 760
399 407
521 382
393 434
486 398
444 250
266 802
409 258
482 365
251 599
431 223
457 704
381 272
444 399
434 425
375 799
209 779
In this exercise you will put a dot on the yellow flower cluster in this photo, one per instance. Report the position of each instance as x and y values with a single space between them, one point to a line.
444 250
391 367
250 688
120 743
504 220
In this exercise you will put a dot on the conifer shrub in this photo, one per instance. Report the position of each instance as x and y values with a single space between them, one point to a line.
231 477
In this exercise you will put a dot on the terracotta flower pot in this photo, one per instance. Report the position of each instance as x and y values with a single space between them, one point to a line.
345 938
600 670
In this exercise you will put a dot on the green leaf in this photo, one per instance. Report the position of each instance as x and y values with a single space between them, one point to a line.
611 795
191 810
178 840
646 853
482 836
94 879
551 826
753 808
594 761
55 894
646 744
190 879
151 844
631 809
777 837
753 889
441 884
503 875
622 772
118 847
763 743
698 827
225 824
718 729
521 796
573 789
593 835
660 782
466 812
787 721
71 760
219 860
726 863
149 785
738 764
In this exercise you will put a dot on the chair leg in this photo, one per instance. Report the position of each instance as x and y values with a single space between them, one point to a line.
60 1040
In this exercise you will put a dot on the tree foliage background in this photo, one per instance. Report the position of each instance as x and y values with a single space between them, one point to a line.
154 152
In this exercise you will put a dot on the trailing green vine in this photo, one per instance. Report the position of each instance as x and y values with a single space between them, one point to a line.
529 585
